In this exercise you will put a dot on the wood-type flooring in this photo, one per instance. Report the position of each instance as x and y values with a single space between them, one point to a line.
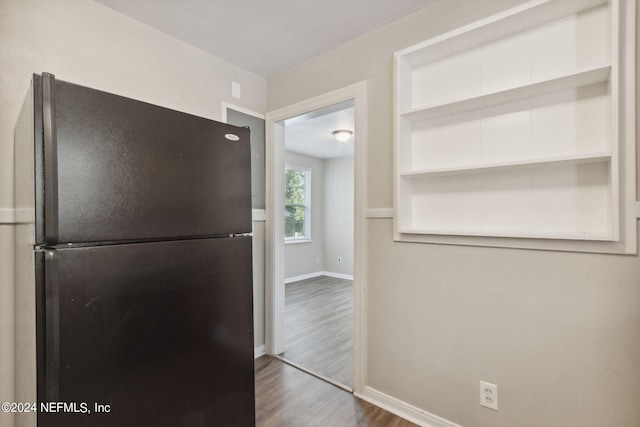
319 326
288 397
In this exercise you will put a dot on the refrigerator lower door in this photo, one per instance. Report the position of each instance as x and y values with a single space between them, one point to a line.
151 334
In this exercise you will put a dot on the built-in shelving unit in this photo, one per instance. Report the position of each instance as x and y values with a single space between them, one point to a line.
517 130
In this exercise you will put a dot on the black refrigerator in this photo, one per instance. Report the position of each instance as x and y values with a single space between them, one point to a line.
133 255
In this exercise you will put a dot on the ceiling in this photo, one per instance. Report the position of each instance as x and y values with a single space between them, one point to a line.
265 36
310 134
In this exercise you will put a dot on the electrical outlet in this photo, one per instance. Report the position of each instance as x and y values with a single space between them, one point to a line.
339 260
489 395
318 261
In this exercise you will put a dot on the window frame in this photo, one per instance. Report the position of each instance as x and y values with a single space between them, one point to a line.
307 204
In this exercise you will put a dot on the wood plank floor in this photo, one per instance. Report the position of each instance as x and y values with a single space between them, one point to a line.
319 326
288 397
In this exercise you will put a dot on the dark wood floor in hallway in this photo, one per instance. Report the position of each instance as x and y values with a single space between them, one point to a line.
288 397
319 326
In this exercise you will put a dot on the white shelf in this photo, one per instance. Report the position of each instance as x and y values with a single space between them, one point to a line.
515 234
573 159
517 19
578 79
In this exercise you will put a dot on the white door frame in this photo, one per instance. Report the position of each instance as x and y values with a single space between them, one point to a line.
274 227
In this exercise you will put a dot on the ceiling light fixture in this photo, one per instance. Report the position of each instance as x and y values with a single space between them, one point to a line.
342 135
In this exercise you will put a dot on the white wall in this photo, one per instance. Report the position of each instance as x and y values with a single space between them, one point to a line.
300 258
84 42
338 215
558 332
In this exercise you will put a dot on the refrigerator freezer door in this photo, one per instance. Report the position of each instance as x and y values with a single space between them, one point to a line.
156 333
128 170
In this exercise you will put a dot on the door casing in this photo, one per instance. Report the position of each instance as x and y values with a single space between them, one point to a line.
274 227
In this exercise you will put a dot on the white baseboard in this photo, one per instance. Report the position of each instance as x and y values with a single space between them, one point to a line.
259 351
337 275
318 274
303 277
403 409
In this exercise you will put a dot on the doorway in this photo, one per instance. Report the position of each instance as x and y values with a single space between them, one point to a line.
318 236
275 306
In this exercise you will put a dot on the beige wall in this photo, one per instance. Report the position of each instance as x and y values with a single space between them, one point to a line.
87 43
6 320
558 332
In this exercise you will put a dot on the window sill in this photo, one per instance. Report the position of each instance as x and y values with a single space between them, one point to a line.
293 242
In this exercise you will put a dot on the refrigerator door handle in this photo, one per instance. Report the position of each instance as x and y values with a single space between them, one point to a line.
50 158
52 327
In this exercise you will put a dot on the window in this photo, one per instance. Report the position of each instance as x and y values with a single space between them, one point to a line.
296 204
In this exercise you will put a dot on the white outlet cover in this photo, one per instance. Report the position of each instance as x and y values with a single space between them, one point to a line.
236 90
489 395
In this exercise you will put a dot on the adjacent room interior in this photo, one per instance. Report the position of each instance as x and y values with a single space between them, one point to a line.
318 261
